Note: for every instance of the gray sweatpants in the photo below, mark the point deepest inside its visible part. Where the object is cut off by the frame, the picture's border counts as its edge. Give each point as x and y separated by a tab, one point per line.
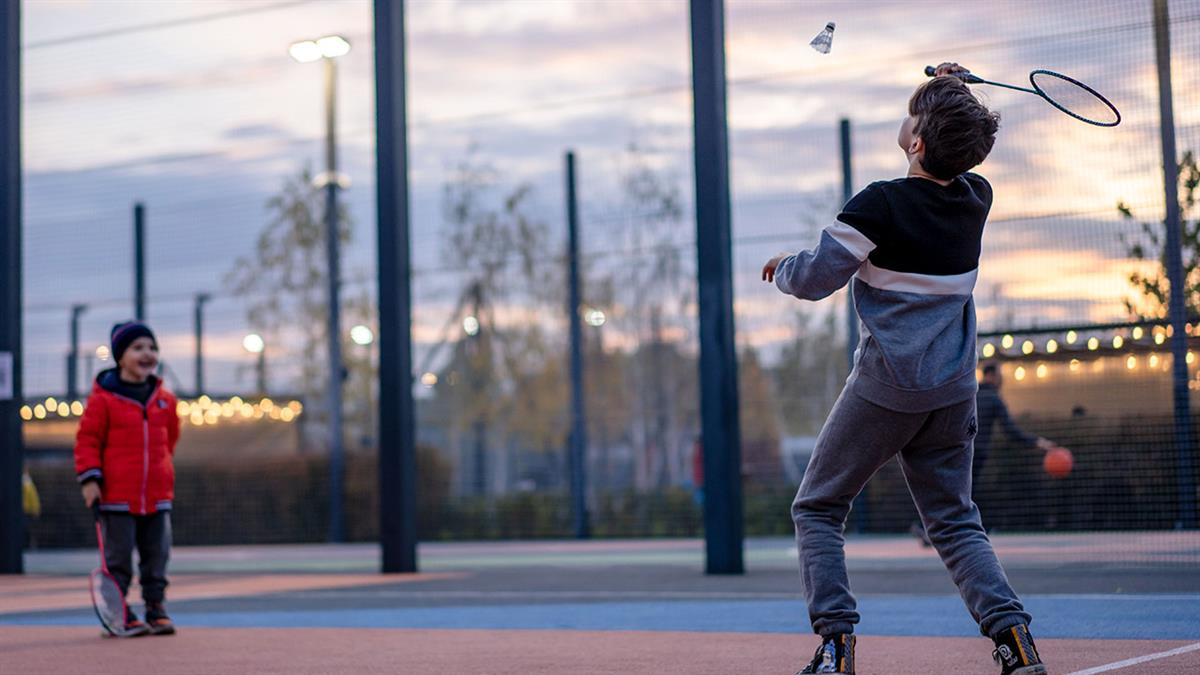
935	454
151	535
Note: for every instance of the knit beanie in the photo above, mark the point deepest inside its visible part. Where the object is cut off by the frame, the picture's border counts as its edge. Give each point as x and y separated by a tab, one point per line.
123	335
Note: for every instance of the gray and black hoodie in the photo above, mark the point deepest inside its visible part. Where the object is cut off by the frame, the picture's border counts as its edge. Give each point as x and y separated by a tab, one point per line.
912	248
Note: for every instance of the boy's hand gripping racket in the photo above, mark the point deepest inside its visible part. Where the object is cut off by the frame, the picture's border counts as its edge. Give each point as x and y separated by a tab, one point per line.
1065	93
107	598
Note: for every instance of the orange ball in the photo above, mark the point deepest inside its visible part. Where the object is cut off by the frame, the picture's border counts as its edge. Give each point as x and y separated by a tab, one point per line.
1058	462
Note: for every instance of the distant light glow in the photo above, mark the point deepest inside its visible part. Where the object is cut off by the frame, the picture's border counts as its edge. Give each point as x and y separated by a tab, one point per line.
305	52
333	46
1154	360
1131	362
595	317
26	413
1093	344
1019	373
1117	341
1160	338
254	343
1137	332
1071	337
1027	347
1006	341
64	410
989	350
1042	370
1051	347
39	411
76	408
103	353
1075	365
471	325
429	379
362	335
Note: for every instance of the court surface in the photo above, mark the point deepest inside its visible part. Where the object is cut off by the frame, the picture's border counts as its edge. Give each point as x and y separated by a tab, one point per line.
608	607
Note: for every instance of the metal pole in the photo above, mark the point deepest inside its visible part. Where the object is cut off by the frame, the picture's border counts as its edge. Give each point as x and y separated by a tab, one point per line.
332	258
1184	443
578	453
12	524
397	414
201	299
847	193
260	371
721	435
860	502
73	355
139	261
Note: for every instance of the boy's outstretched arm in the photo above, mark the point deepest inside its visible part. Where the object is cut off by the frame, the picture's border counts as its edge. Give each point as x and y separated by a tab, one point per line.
815	274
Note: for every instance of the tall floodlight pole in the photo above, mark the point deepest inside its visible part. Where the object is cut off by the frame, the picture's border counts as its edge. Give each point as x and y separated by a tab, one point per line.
11	450
1177	307
720	432
73	355
139	261
327	49
397	412
577	461
198	325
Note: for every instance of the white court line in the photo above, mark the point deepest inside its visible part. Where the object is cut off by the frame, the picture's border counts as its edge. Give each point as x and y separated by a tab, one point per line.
1140	659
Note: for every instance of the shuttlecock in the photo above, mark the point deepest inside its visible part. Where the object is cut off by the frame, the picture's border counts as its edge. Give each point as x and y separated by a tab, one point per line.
824	40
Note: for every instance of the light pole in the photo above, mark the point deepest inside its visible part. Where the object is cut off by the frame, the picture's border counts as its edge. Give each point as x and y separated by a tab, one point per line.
327	49
73	355
201	299
254	344
363	336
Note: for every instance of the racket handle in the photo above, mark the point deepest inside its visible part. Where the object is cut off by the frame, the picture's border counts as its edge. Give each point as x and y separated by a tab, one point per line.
965	76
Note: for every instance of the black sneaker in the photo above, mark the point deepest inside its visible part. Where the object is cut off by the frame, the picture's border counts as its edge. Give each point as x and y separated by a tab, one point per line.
1015	652
835	655
157	620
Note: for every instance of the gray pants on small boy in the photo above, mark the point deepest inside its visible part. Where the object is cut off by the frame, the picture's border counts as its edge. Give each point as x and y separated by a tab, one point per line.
935	450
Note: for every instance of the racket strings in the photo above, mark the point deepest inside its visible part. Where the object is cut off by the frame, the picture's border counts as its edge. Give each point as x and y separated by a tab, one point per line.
110	603
1075	98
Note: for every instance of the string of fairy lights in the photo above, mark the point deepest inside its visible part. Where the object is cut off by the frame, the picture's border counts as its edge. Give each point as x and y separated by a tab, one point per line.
1136	346
198	412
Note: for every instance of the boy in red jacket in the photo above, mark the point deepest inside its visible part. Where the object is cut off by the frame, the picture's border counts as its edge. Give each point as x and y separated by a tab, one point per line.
123	458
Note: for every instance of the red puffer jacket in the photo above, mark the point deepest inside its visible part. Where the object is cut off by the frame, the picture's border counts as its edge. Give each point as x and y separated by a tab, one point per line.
128	447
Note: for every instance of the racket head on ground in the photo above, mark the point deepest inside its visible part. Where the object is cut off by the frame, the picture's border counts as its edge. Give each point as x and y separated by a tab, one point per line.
1075	98
108	601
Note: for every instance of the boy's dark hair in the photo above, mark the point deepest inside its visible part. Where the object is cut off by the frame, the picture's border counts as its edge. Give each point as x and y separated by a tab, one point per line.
957	128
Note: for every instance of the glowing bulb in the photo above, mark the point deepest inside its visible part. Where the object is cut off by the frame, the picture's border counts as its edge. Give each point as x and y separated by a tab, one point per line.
1159	338
103	353
76	408
988	350
1042	370
305	52
1075	365
1137	332
286	414
471	325
333	46
1131	362
595	317
1118	341
824	40
1027	347
1051	347
204	401
1191	358
26	413
1093	344
51	403
39	411
1006	341
253	343
1154	360
362	335
63	409
1071	337
429	379
1019	373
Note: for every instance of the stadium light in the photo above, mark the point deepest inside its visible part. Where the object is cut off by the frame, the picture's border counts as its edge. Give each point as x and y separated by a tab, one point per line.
328	47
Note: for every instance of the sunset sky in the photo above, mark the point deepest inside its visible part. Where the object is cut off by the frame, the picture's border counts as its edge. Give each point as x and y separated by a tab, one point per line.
197	109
